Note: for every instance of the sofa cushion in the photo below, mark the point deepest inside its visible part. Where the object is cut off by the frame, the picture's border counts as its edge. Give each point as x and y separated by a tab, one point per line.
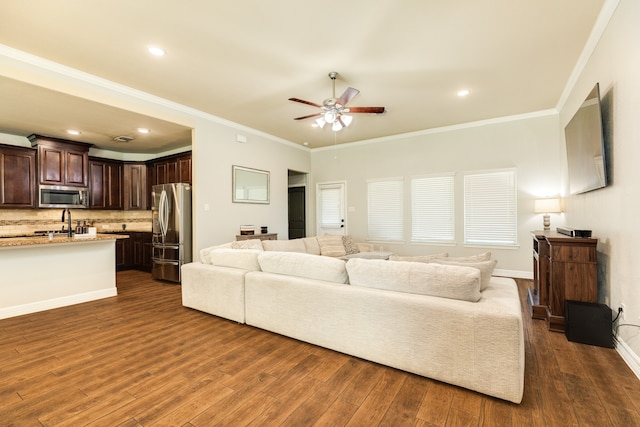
311	245
295	245
246	259
350	247
247	244
447	281
331	245
419	258
204	253
303	265
486	268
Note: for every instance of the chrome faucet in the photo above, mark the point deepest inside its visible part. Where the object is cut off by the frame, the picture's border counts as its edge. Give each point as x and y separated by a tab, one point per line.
69	233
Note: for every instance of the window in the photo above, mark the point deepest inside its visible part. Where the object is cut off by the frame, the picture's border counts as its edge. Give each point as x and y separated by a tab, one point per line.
330	199
432	209
490	208
385	209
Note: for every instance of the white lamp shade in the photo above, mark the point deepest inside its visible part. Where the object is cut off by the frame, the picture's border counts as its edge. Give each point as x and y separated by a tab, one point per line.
547	206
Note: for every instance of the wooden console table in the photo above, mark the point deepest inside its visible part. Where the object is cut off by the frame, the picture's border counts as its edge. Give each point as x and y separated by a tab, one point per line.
564	268
267	236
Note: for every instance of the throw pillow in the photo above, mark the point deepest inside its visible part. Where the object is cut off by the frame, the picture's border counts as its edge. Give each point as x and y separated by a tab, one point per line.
419	258
485	267
350	247
331	245
247	244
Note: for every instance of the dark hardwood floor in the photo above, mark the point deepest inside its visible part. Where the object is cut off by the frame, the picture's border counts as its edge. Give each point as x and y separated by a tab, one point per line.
142	359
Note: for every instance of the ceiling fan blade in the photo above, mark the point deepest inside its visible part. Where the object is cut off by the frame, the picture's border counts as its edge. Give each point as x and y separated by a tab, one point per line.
302	101
308	117
347	96
372	110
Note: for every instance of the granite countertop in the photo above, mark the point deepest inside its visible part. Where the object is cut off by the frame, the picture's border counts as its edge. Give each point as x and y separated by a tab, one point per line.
44	240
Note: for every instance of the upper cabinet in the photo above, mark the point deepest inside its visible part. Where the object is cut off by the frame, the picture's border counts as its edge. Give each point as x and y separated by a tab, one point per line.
171	169
135	186
61	162
17	177
105	184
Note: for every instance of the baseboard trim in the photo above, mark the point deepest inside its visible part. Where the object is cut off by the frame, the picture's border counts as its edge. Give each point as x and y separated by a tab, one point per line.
628	355
19	310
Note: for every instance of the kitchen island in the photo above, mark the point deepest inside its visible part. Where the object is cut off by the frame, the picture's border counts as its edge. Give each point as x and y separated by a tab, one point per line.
38	273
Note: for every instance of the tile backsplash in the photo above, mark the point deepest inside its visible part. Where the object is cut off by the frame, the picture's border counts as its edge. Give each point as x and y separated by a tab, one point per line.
21	222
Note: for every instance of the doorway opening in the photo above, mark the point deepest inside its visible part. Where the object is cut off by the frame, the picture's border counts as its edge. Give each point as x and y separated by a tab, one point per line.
297	204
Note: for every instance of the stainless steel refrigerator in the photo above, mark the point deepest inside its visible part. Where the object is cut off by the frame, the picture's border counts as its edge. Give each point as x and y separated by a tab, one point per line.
171	216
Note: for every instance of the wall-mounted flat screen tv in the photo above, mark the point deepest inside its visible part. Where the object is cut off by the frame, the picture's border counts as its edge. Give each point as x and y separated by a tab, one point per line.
586	154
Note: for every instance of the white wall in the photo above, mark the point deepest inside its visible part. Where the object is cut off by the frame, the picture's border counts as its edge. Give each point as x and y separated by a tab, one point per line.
528	143
612	213
215	151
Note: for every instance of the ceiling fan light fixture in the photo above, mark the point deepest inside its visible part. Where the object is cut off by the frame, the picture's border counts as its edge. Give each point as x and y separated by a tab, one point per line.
336	126
330	116
346	120
320	122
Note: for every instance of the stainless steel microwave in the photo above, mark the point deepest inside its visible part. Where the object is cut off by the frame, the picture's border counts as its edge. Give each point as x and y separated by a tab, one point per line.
59	196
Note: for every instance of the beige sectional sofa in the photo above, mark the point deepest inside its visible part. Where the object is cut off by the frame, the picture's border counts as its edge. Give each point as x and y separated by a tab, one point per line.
440	318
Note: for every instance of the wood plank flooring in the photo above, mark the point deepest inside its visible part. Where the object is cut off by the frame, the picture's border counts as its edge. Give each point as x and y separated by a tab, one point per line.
141	359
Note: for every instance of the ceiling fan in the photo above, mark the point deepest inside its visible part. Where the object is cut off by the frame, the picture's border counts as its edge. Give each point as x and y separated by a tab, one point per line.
333	109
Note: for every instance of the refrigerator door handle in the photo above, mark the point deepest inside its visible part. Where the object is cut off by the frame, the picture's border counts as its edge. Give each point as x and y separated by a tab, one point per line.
163	213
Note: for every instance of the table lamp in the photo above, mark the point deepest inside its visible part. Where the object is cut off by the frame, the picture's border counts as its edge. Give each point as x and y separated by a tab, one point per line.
547	206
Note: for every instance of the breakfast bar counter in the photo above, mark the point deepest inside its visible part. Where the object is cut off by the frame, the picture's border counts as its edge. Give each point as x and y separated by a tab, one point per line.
39	274
57	239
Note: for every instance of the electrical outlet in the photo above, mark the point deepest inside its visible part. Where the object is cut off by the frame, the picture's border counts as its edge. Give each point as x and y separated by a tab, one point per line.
622	307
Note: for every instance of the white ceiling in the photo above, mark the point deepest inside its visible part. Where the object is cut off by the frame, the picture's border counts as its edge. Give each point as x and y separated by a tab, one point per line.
242	60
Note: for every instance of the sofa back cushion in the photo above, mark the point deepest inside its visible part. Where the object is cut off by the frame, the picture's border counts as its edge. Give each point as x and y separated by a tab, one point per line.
311	245
246	259
303	265
446	281
486	268
295	245
247	244
419	258
204	253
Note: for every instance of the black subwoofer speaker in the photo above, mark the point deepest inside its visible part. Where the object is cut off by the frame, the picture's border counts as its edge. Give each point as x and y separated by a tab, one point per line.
588	323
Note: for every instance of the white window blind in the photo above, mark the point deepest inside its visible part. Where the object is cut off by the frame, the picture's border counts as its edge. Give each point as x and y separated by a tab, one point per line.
384	201
432	209
490	208
330	207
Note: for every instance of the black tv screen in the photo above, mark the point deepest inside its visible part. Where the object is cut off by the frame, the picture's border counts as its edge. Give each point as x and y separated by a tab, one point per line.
586	157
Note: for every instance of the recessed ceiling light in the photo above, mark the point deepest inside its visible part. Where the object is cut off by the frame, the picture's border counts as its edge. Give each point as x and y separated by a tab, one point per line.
306	144
463	92
73	132
154	50
143	130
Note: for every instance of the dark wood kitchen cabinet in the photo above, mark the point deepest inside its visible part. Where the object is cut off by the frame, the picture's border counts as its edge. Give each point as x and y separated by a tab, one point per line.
17	177
105	184
135	186
124	253
168	170
171	169
61	162
134	253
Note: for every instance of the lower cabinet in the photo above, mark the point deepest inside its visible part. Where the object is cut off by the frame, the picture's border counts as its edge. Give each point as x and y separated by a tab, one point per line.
134	253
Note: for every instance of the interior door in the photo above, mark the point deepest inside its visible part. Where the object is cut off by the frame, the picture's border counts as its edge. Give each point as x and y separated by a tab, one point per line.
331	218
297	213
